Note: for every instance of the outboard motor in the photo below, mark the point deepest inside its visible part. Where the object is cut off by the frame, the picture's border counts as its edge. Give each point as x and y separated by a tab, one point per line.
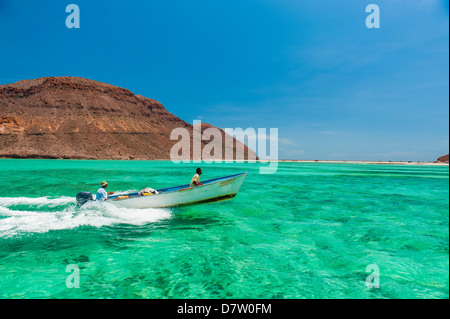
83	198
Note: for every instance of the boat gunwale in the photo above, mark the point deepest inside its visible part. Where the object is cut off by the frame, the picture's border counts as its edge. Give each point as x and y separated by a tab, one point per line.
173	189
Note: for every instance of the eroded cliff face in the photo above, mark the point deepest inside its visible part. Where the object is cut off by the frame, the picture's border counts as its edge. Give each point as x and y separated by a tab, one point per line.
77	118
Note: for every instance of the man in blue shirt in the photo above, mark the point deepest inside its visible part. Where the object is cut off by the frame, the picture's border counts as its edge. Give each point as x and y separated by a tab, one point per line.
101	193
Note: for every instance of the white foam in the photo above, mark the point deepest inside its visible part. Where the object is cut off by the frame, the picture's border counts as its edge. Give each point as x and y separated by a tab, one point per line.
95	214
39	201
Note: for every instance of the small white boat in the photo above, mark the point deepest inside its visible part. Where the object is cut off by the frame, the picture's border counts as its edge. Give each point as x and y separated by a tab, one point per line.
212	190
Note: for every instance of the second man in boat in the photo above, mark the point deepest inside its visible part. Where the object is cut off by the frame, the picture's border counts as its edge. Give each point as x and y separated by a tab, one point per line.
196	179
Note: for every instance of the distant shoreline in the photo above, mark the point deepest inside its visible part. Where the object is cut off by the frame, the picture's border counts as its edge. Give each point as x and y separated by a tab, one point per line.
227	161
368	162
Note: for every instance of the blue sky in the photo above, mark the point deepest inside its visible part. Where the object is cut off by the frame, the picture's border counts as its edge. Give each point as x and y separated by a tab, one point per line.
335	89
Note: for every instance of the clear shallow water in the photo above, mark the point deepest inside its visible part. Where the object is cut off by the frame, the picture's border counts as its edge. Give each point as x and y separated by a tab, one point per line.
309	231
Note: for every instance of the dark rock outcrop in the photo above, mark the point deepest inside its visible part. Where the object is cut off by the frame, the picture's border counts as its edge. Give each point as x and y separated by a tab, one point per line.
444	159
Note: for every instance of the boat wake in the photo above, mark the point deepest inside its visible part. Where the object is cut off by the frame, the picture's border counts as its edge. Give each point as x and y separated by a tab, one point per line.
37	202
19	215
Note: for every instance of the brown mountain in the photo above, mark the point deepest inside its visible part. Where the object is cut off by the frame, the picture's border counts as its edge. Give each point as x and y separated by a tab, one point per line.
443	159
77	118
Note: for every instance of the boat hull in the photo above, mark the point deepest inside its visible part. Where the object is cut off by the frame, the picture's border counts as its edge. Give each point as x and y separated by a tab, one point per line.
222	189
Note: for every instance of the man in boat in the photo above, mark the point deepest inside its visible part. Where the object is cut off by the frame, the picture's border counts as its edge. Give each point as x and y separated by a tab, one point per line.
196	179
102	195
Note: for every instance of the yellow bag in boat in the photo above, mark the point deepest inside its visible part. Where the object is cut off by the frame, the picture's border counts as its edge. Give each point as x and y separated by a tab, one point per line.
148	191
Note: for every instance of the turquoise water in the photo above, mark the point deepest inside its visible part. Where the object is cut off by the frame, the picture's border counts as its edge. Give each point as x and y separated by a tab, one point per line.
309	231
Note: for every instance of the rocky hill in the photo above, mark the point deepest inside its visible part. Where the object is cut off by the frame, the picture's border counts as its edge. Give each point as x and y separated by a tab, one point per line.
77	118
443	159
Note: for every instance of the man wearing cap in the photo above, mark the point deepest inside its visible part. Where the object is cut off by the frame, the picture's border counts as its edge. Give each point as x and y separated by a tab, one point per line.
101	193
